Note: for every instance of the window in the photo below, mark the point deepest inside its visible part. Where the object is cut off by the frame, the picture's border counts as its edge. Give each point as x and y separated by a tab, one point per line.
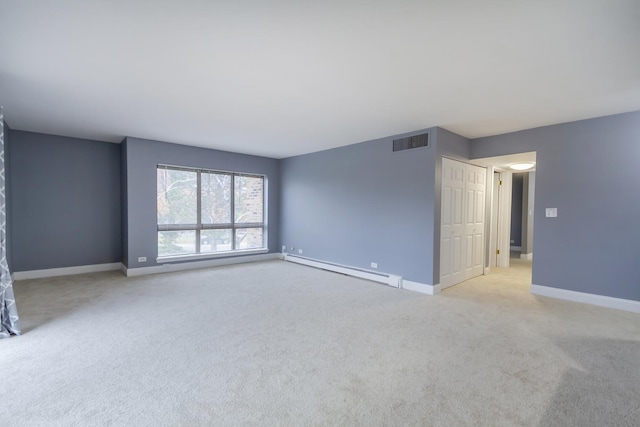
207	212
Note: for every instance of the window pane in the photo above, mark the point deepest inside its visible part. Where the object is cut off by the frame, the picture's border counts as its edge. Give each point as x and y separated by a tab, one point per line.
216	198
177	196
249	238
176	242
249	199
215	240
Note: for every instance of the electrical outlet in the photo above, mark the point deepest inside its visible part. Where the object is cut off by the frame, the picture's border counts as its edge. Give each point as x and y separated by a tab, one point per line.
374	265
299	251
284	249
142	259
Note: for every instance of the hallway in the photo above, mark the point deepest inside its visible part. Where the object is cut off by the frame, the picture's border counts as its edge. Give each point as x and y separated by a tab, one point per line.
514	281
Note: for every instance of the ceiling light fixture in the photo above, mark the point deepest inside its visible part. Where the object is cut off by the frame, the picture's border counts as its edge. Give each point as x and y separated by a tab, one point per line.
522	166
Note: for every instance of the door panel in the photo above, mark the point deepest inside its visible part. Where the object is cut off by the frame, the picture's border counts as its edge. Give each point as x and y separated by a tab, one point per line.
468	261
446	206
445	248
480	198
478	244
457	206
456	264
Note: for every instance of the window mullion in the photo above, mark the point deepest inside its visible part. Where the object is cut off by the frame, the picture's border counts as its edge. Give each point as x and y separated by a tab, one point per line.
177	227
216	226
233	212
250	225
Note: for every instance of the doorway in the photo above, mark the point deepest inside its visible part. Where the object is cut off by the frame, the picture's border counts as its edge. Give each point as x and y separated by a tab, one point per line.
502	193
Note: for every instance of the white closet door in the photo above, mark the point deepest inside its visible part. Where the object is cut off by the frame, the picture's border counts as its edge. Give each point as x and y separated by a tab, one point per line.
462	222
452	230
474	221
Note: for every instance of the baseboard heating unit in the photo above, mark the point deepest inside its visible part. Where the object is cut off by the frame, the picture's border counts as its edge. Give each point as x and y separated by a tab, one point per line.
388	279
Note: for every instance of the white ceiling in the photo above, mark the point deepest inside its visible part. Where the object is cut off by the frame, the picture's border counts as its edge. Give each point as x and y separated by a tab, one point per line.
284	77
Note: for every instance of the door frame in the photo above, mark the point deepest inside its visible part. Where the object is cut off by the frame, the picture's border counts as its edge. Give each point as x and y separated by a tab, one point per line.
500	237
493	213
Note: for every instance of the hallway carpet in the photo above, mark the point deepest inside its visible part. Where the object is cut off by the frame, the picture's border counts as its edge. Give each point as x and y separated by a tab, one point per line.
274	343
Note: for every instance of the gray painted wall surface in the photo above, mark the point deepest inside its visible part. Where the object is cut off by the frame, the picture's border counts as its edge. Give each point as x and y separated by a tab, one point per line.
516	209
142	159
363	203
589	171
528	206
351	205
65	206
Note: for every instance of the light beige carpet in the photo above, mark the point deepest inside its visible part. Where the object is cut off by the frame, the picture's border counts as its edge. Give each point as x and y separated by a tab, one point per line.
275	343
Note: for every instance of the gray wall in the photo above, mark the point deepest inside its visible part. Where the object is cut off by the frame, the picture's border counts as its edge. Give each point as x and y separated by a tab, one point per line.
589	171
363	203
65	202
528	206
516	209
142	158
350	205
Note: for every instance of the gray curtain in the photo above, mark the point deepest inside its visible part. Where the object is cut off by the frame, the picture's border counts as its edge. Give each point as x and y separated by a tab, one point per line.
9	322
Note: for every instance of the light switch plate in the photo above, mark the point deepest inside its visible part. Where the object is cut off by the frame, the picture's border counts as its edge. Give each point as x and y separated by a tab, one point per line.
551	212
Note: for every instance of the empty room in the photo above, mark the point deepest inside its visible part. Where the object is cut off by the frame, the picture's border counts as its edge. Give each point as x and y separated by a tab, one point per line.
411	213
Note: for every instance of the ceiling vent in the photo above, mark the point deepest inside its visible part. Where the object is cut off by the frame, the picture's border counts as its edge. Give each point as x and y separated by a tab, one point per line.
411	142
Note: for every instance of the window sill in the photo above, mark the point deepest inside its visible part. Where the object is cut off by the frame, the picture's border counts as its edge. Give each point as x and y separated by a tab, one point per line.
229	254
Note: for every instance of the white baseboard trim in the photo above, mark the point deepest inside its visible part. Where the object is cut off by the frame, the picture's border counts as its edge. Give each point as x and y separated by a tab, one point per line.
516	248
388	279
420	287
65	271
586	298
527	257
169	267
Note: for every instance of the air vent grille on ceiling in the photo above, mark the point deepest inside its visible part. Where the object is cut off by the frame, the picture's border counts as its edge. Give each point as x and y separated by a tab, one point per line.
411	142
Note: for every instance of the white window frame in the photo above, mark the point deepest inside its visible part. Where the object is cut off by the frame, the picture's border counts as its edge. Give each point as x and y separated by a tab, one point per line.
199	226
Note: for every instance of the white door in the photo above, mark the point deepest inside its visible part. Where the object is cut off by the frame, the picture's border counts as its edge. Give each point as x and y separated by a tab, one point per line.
462	222
452	229
474	221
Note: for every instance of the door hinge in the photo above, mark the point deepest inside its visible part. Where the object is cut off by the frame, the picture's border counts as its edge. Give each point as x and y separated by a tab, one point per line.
500	182
497	251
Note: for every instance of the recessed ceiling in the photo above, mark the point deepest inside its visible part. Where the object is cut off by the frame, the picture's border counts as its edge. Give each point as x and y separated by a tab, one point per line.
503	163
280	78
